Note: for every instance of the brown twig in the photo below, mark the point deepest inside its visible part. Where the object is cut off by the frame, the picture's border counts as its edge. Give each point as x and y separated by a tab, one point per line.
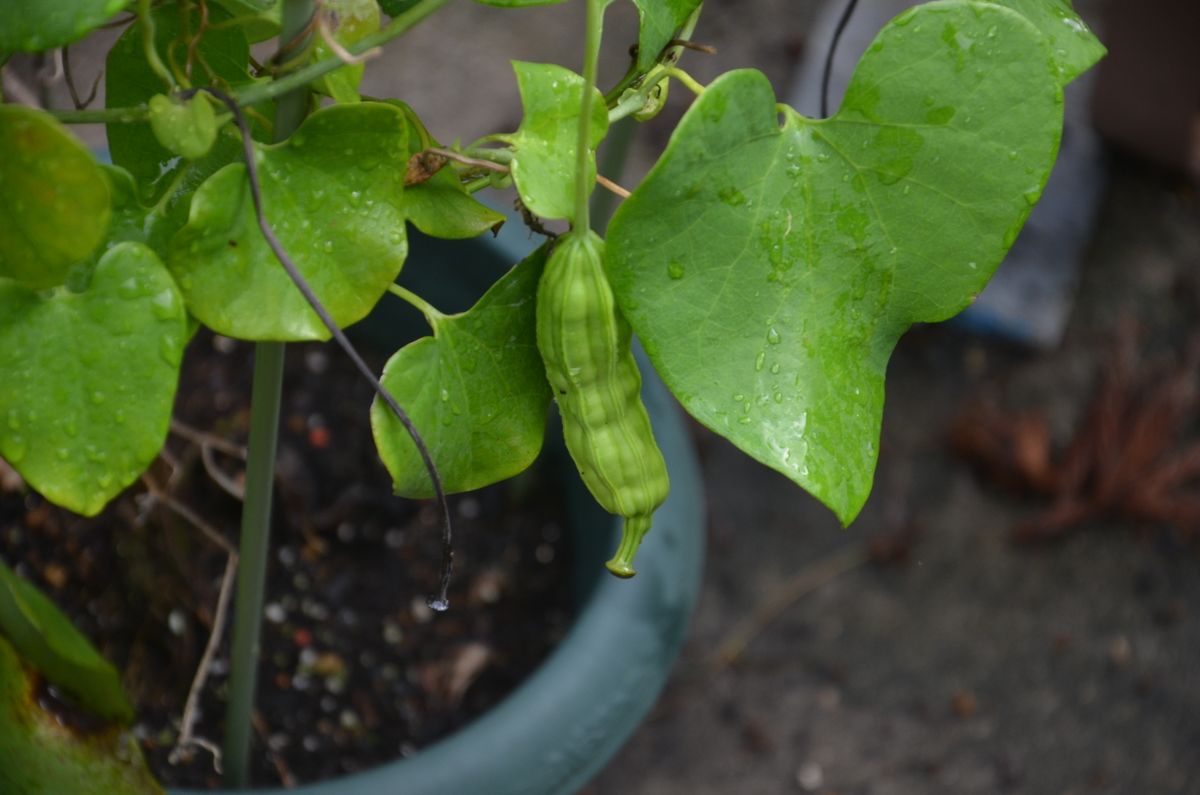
187	738
784	595
230	486
66	62
206	439
611	186
286	778
335	46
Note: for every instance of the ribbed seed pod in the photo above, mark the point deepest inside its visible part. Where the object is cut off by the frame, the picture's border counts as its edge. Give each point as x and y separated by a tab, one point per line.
585	345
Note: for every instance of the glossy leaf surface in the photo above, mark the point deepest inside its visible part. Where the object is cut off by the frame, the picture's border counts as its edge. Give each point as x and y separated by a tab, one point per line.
186	128
33	25
39	755
1073	46
48	641
476	390
769	270
89	378
54	199
544	147
333	193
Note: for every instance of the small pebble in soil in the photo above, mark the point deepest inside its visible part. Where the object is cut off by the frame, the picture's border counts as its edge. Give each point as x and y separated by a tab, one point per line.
810	776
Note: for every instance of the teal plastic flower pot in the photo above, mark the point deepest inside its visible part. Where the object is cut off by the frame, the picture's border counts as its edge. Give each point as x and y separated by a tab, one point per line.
560	726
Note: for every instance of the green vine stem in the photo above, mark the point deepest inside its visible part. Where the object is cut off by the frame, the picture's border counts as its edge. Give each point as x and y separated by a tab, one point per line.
591	59
146	23
424	307
254	94
260	481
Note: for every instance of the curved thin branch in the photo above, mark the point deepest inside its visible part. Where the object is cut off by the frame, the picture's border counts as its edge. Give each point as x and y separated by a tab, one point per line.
440	601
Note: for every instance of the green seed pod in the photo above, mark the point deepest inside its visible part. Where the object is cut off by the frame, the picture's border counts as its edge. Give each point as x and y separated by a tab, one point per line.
585	345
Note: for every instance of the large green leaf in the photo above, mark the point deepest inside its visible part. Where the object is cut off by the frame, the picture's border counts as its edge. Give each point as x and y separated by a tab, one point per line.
333	193
544	147
220	59
41	755
476	390
352	20
89	378
1072	45
659	21
770	269
54	199
33	25
44	637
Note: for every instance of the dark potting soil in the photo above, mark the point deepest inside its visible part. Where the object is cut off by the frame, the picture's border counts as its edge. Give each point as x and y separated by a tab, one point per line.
355	668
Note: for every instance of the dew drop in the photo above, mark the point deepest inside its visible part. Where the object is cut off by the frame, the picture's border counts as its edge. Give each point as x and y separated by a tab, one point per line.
772	336
759	360
675	270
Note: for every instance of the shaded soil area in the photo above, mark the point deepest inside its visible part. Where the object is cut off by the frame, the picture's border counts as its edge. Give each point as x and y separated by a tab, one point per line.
971	663
356	669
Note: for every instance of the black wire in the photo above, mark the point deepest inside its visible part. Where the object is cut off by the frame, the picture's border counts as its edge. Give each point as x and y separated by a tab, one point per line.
828	70
441	601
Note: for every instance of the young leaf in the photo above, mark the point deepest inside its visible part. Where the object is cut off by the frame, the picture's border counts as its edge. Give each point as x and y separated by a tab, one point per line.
353	19
54	205
476	390
186	128
34	25
89	378
39	754
659	20
1072	45
770	270
543	165
220	58
440	206
333	193
46	639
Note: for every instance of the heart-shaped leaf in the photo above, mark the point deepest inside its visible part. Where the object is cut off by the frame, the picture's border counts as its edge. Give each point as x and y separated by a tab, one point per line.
476	390
54	199
659	21
333	193
46	638
769	270
187	128
1072	45
220	57
40	753
544	147
34	25
89	378
352	20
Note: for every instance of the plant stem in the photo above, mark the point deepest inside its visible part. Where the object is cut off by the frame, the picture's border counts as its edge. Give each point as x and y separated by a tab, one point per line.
260	480
687	80
591	57
398	26
254	94
431	314
612	164
146	23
